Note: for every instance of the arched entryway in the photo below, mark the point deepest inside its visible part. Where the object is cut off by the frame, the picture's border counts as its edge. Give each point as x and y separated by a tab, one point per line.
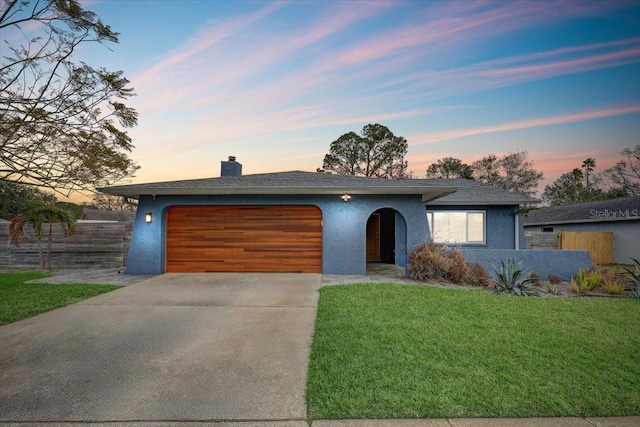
385	237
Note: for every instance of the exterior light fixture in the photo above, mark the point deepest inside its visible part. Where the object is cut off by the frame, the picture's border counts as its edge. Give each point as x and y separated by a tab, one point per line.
345	197
148	217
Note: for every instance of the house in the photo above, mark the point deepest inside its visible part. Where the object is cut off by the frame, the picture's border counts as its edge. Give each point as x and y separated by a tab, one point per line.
309	221
100	215
620	216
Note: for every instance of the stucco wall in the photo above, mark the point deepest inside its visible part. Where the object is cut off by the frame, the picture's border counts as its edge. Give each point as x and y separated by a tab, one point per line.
563	264
343	233
626	235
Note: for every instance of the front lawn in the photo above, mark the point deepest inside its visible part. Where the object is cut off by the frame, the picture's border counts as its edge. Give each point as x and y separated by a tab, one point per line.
394	351
19	300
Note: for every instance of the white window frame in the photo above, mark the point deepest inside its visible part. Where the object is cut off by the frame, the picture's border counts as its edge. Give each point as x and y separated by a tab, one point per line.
434	238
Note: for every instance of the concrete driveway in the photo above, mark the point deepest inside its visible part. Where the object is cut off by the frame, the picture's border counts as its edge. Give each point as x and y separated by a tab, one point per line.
188	347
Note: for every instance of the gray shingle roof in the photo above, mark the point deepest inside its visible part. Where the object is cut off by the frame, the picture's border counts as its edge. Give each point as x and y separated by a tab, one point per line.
89	214
622	209
472	192
299	182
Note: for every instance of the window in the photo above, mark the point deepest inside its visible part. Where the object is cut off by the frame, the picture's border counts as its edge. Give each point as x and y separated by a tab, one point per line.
547	229
457	226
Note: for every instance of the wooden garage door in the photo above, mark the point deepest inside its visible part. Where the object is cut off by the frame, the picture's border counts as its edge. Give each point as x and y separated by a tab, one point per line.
244	238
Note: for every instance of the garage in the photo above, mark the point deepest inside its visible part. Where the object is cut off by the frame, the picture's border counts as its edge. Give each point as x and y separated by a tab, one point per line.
244	239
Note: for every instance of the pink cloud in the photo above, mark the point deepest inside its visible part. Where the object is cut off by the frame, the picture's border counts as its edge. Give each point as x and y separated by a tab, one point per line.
208	87
525	124
517	69
213	34
570	66
462	23
562	51
208	84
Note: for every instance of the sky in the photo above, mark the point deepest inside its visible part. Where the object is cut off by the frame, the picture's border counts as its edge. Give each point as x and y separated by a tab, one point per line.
274	83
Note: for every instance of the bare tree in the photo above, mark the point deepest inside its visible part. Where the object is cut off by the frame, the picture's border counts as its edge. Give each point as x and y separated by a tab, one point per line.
626	173
108	202
511	172
61	122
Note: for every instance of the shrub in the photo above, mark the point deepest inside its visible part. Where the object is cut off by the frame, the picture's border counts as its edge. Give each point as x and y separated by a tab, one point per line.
478	276
613	288
554	280
634	275
610	275
613	280
427	261
535	279
458	267
430	261
513	279
586	280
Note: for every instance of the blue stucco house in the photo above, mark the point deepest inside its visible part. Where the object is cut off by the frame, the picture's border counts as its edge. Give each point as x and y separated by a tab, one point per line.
309	221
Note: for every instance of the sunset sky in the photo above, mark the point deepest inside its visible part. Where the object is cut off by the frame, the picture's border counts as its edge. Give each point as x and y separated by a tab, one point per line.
274	83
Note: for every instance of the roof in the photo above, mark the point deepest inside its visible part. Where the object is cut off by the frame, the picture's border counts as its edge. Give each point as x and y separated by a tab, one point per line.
476	193
299	182
622	209
104	215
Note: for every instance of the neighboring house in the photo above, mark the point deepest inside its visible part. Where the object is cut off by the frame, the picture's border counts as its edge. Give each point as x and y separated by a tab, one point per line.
99	215
310	222
619	216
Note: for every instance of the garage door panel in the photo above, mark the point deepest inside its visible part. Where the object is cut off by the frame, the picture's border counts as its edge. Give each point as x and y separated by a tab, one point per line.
244	238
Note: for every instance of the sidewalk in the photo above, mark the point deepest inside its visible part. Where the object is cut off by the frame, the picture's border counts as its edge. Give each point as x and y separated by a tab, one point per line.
455	422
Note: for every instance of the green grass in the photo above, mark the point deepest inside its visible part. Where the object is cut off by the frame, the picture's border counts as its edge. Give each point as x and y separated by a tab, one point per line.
19	300
393	351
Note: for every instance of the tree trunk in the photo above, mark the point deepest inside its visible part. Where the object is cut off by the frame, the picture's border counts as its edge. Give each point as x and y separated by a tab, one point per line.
49	246
40	256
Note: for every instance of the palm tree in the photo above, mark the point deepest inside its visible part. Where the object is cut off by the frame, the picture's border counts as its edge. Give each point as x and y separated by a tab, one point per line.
37	214
588	165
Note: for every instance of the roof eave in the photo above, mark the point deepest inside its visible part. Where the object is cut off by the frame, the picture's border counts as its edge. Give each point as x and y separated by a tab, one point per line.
578	221
429	193
481	202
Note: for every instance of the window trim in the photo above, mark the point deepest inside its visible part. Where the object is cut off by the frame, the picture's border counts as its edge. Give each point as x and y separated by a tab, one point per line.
430	219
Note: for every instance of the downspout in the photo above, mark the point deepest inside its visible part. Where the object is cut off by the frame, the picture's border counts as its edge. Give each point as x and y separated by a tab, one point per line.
516	222
516	227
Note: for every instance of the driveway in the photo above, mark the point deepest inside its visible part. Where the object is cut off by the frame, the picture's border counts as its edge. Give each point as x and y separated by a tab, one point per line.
189	347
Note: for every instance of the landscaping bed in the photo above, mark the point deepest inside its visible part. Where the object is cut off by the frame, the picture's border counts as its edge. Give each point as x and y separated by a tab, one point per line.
402	351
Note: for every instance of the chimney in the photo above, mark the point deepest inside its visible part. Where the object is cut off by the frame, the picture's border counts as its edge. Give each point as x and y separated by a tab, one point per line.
230	167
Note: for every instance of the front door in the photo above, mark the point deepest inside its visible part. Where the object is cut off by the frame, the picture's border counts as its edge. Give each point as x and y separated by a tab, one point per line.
373	237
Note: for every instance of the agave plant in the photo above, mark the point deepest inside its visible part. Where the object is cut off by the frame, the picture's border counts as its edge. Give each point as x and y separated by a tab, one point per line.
512	279
634	274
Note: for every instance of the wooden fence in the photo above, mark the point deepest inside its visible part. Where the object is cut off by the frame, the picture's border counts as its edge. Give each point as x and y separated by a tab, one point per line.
94	245
598	243
540	241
